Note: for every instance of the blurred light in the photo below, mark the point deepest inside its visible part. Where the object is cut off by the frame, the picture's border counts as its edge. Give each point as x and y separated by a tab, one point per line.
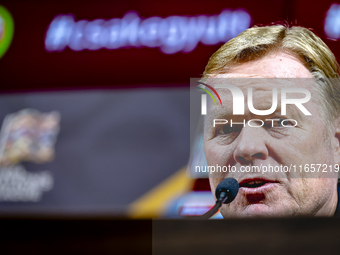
332	22
172	34
2	28
6	30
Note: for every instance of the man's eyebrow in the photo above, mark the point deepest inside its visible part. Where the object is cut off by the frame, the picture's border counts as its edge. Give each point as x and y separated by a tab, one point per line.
219	112
291	109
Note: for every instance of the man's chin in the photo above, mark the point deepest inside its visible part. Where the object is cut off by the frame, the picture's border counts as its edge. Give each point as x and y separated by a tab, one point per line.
259	210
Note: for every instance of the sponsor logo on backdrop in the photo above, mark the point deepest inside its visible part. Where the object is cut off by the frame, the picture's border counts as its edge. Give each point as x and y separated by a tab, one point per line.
171	35
26	136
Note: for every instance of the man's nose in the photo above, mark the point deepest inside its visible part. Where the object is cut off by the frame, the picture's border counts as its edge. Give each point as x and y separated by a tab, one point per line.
251	145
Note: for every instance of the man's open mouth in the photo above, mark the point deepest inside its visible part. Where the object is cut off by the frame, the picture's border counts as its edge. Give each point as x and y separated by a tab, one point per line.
255	183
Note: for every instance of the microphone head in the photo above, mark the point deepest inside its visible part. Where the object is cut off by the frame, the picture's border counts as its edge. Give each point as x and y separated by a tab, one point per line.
230	187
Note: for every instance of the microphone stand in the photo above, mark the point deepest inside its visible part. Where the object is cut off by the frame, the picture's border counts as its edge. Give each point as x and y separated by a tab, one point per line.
219	202
225	193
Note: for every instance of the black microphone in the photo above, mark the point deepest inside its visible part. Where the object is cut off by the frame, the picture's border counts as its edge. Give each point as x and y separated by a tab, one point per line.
227	190
225	193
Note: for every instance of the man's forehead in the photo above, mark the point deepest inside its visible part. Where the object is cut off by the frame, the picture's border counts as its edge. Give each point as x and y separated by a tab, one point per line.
263	93
274	65
264	85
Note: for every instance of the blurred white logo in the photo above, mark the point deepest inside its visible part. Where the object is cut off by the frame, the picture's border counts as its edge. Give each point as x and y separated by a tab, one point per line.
332	22
19	185
171	34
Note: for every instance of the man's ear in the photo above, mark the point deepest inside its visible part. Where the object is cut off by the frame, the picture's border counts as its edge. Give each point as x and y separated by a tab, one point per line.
337	142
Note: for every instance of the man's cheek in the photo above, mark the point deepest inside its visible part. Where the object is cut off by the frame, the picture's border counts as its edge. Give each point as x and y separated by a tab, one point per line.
212	155
216	154
214	181
236	207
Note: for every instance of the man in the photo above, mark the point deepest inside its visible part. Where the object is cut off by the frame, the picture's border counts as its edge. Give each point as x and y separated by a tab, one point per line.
296	58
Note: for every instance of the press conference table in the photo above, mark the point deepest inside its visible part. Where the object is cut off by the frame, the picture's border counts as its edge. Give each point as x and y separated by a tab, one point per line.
107	235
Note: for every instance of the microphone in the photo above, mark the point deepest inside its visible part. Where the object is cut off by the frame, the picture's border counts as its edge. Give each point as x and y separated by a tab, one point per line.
225	193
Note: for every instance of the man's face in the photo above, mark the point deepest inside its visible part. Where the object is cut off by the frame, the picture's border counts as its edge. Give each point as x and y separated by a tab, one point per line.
276	193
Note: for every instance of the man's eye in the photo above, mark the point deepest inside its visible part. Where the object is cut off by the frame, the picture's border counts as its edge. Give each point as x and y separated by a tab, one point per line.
227	129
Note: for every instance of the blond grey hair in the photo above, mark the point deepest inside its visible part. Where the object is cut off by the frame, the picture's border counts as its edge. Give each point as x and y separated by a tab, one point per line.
257	42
